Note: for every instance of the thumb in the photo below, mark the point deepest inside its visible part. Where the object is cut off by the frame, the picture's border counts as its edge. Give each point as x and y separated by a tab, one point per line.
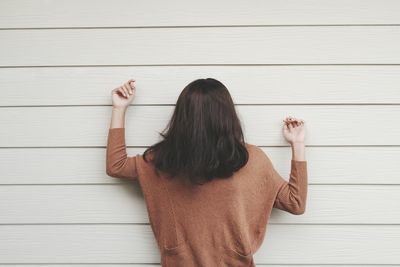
285	127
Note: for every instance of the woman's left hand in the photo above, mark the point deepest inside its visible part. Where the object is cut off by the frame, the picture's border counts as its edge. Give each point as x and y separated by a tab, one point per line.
123	95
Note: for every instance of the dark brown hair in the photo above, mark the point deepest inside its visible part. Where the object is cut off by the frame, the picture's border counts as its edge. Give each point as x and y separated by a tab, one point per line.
203	139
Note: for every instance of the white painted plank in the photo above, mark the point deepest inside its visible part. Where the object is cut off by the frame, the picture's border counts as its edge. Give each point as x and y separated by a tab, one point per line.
346	165
158	265
216	45
334	244
162	84
126	13
88	126
326	204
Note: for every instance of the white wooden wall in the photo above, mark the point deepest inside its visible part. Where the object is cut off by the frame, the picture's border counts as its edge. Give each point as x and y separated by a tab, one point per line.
333	63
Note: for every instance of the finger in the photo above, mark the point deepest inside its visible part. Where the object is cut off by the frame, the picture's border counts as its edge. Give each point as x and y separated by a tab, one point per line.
131	83
129	86
285	128
297	122
127	89
290	126
132	86
286	121
122	91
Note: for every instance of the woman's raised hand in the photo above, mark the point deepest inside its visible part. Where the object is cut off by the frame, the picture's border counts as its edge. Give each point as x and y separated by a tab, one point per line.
294	130
123	95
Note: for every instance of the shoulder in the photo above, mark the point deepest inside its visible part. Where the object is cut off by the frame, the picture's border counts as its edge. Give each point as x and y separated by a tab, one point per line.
254	148
258	153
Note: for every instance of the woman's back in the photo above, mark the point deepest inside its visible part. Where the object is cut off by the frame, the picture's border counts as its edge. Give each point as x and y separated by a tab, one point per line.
220	223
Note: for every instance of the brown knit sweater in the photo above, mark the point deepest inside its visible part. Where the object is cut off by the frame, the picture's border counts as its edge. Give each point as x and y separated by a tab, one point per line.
221	223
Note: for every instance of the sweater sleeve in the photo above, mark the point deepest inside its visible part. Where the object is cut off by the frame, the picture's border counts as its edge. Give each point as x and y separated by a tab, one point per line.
118	163
292	194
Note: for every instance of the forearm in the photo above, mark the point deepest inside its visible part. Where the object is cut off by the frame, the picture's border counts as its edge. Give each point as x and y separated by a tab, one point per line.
298	151
292	194
118	163
118	118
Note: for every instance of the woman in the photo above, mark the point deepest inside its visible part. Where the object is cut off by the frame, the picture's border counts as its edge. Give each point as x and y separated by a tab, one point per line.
208	193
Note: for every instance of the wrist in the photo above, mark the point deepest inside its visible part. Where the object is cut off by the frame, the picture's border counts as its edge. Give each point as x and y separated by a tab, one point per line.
294	143
119	109
298	151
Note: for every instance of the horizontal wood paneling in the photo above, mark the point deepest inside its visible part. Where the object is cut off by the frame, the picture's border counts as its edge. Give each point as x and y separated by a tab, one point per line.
215	45
326	165
88	126
125	13
124	203
162	84
334	244
328	62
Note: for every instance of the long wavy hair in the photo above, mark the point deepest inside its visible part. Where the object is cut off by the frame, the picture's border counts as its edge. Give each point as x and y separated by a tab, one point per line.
203	139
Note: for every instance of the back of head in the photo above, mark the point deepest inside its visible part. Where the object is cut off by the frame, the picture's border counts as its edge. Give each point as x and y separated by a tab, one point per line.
203	139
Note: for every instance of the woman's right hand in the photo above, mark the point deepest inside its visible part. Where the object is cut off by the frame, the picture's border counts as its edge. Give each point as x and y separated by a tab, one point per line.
294	130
